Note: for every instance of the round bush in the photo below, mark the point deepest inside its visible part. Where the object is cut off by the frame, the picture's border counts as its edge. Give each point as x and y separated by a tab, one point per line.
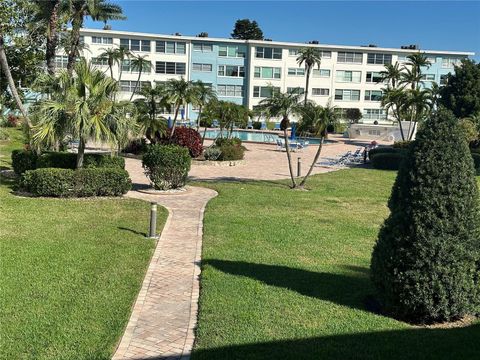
476	162
166	166
189	138
212	153
231	152
23	160
425	264
387	161
230	141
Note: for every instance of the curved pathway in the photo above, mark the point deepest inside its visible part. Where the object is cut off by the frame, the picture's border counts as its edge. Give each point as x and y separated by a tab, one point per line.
165	312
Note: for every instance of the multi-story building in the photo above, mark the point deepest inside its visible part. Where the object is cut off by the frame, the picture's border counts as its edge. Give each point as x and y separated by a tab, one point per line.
244	71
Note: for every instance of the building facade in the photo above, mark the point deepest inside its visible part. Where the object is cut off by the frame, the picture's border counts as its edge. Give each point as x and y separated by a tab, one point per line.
244	71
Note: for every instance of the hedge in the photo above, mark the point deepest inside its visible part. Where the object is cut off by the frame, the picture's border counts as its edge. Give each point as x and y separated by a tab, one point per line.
384	150
55	182
387	161
476	161
23	160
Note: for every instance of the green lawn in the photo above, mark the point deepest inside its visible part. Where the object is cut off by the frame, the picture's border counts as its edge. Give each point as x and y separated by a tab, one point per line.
286	273
70	272
15	141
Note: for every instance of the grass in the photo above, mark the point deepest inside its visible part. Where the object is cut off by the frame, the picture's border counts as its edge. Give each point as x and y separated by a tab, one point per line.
70	272
15	141
286	274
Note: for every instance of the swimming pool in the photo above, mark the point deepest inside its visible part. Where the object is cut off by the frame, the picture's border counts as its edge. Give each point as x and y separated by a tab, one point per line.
254	136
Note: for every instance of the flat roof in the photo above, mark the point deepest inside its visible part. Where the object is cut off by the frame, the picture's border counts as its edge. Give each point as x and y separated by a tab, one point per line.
272	43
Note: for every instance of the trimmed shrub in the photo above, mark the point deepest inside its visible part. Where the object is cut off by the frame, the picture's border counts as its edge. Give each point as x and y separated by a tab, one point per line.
56	182
231	152
186	137
404	144
166	166
387	161
476	162
23	160
212	153
257	125
425	264
66	160
382	150
234	141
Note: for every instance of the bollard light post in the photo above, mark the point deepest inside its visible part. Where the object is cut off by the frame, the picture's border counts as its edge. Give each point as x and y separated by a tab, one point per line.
299	166
153	220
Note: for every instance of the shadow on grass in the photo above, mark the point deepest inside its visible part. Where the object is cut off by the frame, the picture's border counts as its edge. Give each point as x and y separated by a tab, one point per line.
144	234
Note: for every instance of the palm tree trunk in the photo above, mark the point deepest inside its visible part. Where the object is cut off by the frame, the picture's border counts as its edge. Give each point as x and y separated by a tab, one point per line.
204	134
307	83
11	83
177	109
317	155
72	55
111	70
289	158
199	117
136	85
80	153
52	38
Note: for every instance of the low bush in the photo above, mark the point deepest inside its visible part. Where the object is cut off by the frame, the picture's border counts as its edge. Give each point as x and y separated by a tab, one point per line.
136	146
383	150
387	161
476	161
231	152
10	121
23	160
212	153
257	125
166	166
404	144
234	141
56	182
188	138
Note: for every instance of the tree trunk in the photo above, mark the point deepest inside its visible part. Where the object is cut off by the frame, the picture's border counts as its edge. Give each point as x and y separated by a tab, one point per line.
307	83
52	38
80	153
204	134
111	70
174	121
11	83
289	158
72	55
199	117
317	155
136	85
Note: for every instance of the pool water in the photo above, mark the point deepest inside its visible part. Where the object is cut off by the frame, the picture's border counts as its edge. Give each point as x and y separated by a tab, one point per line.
254	136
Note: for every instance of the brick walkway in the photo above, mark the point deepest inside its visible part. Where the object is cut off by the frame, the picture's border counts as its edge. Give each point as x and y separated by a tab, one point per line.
165	313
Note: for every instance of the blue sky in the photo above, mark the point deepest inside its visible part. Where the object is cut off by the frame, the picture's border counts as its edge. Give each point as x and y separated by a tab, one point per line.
437	25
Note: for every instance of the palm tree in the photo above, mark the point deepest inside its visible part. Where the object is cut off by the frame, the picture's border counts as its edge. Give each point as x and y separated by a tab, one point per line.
394	100
410	77
413	69
319	118
148	109
418	107
283	105
82	107
110	54
78	10
310	57
180	93
391	74
139	63
11	83
203	93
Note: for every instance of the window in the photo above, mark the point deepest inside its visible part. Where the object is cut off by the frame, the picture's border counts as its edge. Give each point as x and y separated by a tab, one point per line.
231	70
450	62
349	76
135	45
431	59
296	90
326	54
267	72
230	51
349	57
320	92
373	95
296	72
102	40
162	67
100	61
230	90
127	67
268	53
202	47
129	86
402	58
380	59
428	77
347	95
321	73
202	67
374	77
170	47
374	114
61	62
264	91
292	52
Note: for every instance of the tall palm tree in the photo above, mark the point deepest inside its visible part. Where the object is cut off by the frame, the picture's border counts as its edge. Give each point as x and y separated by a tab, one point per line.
11	83
319	118
203	93
148	109
181	93
78	10
110	54
394	100
83	107
391	74
139	63
410	77
283	105
310	57
49	13
418	107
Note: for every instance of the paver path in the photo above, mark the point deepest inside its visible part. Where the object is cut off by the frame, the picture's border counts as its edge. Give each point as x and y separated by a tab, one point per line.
165	313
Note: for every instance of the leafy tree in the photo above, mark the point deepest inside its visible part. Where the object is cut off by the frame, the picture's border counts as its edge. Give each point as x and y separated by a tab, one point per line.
203	93
353	115
425	264
148	109
391	75
310	57
245	29
180	93
81	106
139	63
461	94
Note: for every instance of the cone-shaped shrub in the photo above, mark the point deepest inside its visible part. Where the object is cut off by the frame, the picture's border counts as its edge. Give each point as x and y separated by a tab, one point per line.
425	264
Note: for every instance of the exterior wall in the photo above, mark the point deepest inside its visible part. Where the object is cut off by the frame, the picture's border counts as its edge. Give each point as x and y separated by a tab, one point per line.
250	61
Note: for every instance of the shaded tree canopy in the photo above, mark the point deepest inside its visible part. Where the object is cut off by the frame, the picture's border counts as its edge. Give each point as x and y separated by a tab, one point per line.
245	29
